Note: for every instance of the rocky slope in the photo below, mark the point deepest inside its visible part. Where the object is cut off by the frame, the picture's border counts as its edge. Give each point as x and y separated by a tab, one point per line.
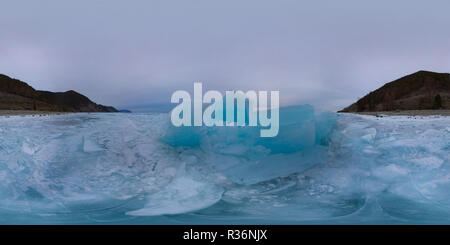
422	90
18	95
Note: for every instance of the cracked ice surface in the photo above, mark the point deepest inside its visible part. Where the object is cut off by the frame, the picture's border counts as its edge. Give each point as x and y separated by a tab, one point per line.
136	168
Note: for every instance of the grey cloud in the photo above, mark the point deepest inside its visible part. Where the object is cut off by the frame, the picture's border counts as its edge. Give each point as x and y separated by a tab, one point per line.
125	53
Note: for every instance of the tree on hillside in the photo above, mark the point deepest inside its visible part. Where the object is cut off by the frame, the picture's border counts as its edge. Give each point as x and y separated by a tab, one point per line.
437	102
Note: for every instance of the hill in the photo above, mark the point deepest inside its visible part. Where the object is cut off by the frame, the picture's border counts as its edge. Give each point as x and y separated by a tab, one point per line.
423	90
18	95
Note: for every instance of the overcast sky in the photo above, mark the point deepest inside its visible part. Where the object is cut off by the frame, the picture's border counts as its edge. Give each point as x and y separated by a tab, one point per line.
126	53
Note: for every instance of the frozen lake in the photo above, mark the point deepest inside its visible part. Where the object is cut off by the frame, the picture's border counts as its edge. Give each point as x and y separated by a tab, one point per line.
322	168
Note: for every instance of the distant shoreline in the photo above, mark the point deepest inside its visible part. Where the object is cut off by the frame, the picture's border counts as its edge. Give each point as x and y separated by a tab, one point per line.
405	113
29	113
371	113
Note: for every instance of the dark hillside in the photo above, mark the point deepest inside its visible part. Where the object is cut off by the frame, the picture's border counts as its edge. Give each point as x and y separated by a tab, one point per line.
422	90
